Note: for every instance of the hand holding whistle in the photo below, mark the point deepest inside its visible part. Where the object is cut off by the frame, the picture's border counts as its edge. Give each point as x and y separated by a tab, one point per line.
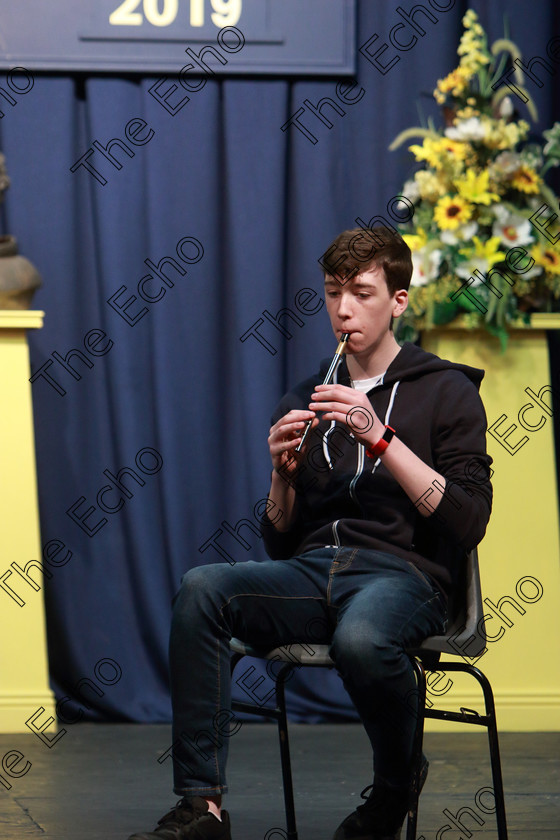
326	381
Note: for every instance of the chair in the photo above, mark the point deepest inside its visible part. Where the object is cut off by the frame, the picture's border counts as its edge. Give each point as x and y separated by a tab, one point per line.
465	633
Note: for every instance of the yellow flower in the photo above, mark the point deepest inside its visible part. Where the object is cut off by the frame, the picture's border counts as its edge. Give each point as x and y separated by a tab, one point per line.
430	186
438	153
452	211
471	24
455	83
473	51
467	112
474	188
422	152
485	250
526	179
546	257
416	241
472	46
474	58
504	135
456	148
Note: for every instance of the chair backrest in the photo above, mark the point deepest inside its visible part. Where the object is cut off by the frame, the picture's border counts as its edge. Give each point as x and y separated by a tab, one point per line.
465	635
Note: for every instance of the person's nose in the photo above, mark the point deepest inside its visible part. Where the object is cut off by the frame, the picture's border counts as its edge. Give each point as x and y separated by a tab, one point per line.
344	311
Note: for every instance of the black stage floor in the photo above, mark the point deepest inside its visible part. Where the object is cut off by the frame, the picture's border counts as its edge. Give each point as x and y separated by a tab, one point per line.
103	782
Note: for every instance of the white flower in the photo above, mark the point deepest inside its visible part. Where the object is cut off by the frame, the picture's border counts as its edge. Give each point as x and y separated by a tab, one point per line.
471	129
506	164
425	266
512	229
411	191
506	107
467	269
463	234
501	212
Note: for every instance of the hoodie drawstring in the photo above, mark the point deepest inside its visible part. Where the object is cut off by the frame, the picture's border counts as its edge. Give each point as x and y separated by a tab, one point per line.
326	452
387	416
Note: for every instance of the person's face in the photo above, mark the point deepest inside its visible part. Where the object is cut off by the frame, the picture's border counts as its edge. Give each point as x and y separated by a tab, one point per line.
363	307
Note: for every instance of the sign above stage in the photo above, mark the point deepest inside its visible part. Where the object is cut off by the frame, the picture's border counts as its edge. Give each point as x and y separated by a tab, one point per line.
281	37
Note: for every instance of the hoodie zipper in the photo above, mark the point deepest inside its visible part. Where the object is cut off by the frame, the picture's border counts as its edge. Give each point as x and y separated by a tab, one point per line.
362	449
361	457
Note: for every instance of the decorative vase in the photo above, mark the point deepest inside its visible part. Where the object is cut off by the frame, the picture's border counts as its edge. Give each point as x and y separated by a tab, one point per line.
19	279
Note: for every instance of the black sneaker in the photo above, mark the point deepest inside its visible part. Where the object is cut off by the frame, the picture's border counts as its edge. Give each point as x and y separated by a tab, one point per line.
189	820
382	815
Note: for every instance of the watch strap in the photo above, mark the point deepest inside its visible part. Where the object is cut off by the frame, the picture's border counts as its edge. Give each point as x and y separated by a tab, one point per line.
377	449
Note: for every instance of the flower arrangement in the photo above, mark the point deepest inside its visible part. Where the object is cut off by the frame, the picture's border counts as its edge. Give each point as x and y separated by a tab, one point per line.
480	183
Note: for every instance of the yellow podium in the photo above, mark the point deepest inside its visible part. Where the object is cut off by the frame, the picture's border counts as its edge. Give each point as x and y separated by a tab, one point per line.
520	554
23	660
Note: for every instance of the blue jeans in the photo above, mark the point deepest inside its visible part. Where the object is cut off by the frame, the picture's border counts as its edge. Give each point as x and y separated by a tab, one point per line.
368	605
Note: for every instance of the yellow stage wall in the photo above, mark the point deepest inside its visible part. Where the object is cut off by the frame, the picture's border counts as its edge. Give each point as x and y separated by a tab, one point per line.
23	651
522	540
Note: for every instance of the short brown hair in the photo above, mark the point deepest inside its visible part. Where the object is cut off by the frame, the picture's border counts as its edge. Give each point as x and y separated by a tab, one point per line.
360	249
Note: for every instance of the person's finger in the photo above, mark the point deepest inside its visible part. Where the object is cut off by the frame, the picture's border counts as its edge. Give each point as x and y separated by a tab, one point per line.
293	416
341	391
328	406
347	398
288	431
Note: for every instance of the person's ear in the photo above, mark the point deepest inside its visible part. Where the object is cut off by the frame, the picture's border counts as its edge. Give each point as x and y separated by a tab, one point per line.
400	302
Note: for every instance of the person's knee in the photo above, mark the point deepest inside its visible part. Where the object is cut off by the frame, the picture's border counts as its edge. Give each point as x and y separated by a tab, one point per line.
366	658
198	577
197	585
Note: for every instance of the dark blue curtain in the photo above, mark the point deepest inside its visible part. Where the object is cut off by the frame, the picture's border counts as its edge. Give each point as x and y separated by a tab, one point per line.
180	389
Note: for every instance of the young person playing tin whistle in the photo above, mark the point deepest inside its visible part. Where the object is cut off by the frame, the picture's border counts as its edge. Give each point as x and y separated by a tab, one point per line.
373	532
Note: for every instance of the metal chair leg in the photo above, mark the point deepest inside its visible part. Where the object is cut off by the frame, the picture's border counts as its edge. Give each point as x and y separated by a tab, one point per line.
278	714
489	721
285	753
417	751
497	780
494	747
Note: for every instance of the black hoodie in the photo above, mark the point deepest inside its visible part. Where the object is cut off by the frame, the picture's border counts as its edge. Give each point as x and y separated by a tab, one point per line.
345	498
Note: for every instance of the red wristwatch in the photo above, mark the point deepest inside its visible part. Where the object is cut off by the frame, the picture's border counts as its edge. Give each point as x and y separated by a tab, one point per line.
377	449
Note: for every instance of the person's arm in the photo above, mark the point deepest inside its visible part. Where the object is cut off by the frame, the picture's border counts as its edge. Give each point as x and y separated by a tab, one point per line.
456	498
413	474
